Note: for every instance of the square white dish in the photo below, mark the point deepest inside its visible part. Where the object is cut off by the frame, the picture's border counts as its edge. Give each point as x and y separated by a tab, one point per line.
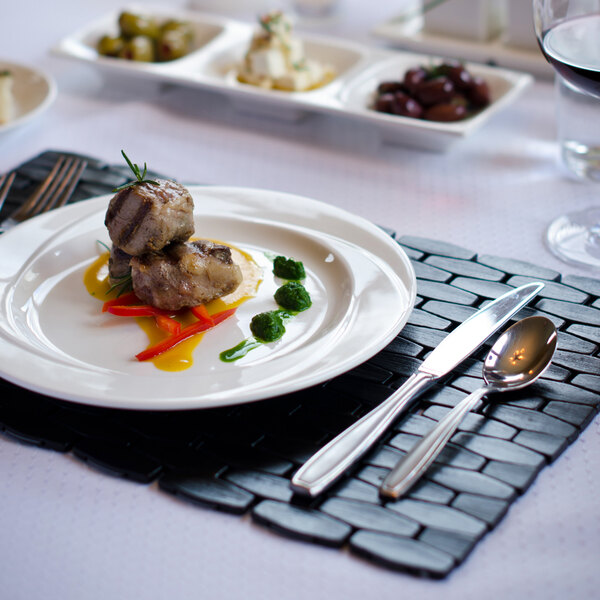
221	44
359	94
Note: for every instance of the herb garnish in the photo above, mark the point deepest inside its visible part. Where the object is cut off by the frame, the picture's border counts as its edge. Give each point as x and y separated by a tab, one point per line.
136	171
122	285
268	21
300	65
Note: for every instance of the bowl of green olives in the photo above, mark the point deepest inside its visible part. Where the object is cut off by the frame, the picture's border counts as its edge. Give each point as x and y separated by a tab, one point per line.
145	38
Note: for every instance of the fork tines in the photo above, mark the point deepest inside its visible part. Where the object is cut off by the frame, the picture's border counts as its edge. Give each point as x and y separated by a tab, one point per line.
6	181
55	190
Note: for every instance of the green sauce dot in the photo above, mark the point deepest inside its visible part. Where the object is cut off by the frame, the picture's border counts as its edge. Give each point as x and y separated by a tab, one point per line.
293	296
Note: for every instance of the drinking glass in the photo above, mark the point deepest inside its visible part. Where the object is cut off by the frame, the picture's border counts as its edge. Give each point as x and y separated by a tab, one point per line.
568	33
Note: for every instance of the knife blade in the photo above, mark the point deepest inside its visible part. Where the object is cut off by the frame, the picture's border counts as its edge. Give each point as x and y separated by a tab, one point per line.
334	459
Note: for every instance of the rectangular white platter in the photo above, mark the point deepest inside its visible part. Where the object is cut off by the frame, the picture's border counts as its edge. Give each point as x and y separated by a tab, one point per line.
220	44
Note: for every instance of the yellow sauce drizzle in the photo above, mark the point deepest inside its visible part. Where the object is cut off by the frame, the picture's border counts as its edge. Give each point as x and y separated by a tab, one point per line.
327	78
180	357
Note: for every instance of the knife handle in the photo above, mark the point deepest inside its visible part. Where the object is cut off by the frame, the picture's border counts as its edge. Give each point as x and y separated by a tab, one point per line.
334	459
411	467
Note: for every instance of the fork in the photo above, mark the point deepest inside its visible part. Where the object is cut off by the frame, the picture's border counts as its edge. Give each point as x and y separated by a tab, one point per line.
53	192
6	181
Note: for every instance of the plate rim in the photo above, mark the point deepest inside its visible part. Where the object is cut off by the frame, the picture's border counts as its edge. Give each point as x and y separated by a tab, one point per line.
46	102
377	237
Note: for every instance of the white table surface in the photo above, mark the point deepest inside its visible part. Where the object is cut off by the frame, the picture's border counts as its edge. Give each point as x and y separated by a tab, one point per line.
69	532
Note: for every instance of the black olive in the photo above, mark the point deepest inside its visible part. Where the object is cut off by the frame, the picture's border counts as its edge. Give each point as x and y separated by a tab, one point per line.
479	93
435	91
406	106
389	87
445	112
385	103
460	77
412	79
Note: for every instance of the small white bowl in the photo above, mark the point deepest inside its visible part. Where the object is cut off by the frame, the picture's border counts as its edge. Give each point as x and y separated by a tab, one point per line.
33	92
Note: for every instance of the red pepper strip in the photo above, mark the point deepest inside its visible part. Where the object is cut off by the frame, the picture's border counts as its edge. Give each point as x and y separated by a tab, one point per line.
186	332
138	310
201	313
123	300
168	324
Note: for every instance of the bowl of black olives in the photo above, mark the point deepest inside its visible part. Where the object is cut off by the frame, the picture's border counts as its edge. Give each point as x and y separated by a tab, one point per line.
446	92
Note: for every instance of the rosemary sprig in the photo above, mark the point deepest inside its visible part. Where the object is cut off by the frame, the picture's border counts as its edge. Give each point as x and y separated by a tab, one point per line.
105	246
140	177
122	285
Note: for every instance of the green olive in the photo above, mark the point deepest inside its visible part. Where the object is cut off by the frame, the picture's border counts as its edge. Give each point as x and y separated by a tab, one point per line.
110	46
171	45
182	26
139	48
132	25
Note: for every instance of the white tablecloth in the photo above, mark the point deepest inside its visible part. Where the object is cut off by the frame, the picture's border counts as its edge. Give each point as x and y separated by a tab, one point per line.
70	532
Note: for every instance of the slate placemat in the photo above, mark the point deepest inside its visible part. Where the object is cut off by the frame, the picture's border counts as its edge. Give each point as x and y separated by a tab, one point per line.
240	458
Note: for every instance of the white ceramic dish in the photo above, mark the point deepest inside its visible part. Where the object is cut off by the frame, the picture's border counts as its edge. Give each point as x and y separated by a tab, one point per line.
221	46
410	38
55	340
33	91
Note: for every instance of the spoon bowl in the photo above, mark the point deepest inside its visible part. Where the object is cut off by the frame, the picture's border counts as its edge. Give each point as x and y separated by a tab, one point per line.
519	356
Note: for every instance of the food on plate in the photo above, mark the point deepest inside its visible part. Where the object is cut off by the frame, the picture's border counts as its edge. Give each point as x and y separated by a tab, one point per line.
148	215
288	268
445	92
7	101
119	268
266	327
176	287
276	59
146	39
293	296
149	223
184	274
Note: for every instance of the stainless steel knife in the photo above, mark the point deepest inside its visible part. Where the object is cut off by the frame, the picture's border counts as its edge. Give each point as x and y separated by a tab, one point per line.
334	459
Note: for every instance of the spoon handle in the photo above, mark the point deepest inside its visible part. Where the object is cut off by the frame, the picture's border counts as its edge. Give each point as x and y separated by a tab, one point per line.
334	459
411	466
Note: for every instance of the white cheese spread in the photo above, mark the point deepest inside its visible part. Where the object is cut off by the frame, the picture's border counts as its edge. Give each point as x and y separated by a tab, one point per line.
276	59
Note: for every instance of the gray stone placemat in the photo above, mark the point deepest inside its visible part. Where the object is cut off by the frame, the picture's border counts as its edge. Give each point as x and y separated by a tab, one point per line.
240	458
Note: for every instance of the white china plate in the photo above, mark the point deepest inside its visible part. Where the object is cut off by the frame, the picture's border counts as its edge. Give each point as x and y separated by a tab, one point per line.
33	91
220	47
55	340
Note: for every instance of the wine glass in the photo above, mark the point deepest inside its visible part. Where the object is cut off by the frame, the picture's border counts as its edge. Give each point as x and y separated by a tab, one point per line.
568	32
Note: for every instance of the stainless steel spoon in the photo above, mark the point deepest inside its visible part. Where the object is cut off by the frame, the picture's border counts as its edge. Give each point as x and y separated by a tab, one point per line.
519	356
